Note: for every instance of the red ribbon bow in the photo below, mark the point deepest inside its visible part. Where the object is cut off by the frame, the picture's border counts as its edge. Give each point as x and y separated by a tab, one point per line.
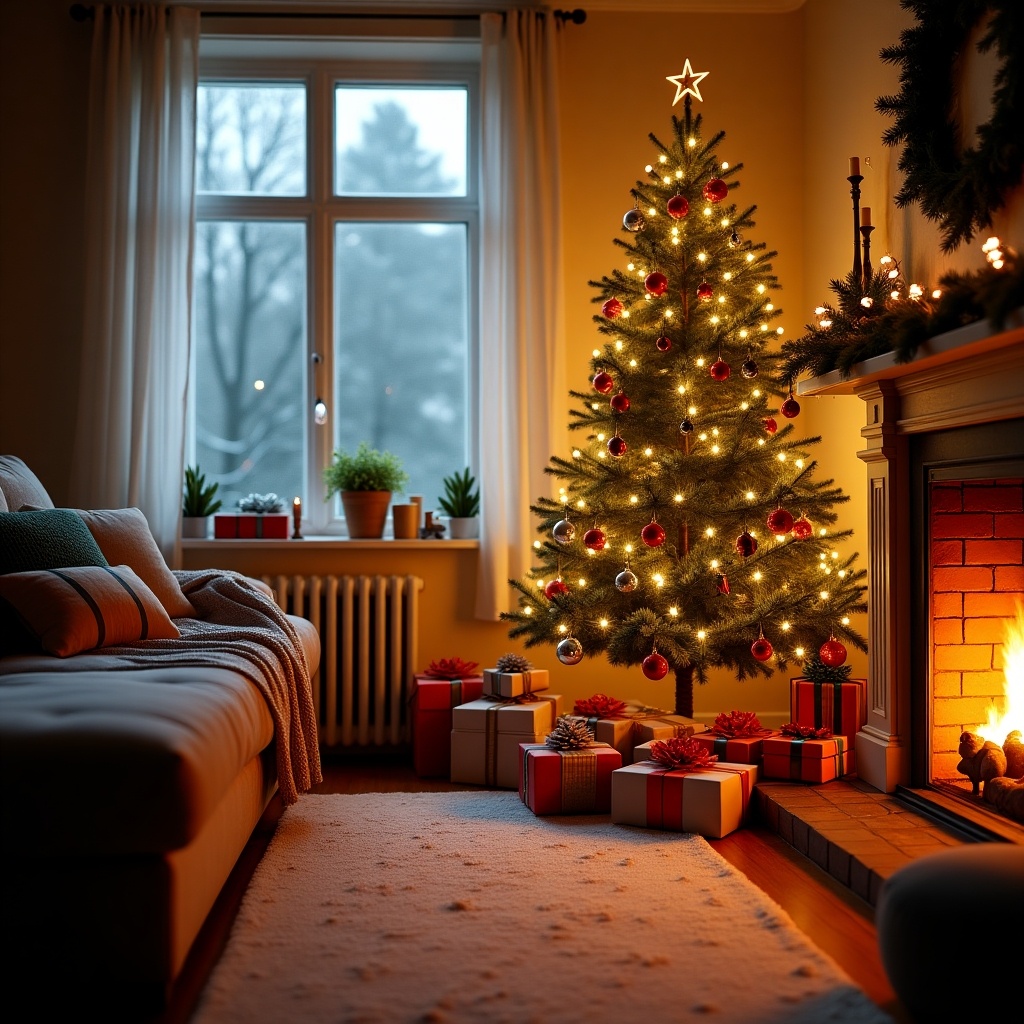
682	753
806	732
600	706
450	668
738	725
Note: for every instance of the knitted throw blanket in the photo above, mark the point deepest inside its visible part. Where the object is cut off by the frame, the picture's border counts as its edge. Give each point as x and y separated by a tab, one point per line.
238	627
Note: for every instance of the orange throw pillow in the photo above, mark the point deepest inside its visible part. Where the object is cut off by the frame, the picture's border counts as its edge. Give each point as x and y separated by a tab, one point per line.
85	607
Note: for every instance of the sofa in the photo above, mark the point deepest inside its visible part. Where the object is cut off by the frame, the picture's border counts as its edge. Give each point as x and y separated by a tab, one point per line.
134	771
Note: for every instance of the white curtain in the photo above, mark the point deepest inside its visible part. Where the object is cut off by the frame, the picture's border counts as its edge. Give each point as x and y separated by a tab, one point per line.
521	366
129	445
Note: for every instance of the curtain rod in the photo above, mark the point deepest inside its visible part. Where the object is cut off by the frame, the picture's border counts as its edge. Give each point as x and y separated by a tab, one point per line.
577	16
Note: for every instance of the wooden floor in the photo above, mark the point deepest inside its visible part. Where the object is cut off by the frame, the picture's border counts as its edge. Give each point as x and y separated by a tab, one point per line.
838	922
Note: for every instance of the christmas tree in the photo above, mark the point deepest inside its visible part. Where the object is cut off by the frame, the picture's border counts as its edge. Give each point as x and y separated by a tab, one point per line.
689	532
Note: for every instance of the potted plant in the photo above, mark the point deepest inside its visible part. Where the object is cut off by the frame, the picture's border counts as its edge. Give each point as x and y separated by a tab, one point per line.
365	481
461	503
198	503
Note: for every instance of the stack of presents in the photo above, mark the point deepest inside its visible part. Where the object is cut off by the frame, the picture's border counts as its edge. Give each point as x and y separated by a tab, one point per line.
642	765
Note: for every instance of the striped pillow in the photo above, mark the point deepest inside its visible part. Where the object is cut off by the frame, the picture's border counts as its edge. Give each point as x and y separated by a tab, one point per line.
85	607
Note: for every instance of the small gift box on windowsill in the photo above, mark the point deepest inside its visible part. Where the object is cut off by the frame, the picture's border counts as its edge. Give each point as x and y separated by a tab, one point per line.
250	525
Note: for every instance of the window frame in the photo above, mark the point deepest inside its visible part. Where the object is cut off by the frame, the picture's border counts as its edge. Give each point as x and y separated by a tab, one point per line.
321	210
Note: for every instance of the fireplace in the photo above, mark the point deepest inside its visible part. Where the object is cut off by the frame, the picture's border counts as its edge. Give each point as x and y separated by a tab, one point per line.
967	661
944	455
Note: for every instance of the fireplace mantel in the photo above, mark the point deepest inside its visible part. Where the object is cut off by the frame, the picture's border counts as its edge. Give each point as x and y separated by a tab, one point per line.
969	376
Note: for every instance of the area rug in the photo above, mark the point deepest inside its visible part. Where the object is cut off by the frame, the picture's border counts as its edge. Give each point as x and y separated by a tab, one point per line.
380	908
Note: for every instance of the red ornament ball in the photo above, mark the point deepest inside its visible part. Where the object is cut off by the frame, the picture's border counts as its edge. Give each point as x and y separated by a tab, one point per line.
780	521
653	535
769	424
664	343
715	190
655	666
832	653
720	369
617	446
603	382
656	284
620	402
761	649
678	207
745	544
556	588
595	539
612	308
802	528
790	408
704	291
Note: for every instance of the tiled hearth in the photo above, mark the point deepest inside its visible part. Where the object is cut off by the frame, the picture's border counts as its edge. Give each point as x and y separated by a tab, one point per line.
852	831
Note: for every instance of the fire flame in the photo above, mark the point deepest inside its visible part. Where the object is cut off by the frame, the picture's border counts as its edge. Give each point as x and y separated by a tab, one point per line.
1001	723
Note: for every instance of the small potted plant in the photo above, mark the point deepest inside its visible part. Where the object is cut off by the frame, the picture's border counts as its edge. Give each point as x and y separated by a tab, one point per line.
198	503
365	480
461	503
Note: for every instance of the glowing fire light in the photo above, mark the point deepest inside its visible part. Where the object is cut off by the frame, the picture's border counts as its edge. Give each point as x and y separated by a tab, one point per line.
1012	716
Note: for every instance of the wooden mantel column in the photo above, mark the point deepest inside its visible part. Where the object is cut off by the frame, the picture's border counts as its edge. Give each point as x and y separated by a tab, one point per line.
883	744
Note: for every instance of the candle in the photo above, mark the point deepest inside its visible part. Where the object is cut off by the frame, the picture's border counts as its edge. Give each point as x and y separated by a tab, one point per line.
854	165
865	217
296	514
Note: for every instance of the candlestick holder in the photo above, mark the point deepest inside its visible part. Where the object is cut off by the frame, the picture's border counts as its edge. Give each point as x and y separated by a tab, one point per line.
855	180
297	521
865	231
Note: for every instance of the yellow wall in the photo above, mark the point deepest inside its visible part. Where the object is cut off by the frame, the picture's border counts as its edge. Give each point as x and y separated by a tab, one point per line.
793	91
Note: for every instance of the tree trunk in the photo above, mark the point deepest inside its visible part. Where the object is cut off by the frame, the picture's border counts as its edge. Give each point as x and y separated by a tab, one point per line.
684	691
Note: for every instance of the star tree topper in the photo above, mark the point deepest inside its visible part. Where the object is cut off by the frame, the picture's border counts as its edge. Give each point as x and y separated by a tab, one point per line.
687	82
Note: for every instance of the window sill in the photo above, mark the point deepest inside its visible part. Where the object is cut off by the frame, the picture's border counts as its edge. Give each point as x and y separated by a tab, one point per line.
325	544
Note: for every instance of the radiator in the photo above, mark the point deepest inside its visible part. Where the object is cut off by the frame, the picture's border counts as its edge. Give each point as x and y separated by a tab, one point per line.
369	628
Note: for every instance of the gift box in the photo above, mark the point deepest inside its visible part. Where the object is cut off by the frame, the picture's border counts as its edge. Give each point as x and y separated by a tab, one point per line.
737	749
567	781
515	684
806	760
636	724
711	801
841	707
251	525
432	701
486	734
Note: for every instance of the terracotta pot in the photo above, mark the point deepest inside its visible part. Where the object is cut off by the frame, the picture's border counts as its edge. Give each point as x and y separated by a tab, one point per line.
365	512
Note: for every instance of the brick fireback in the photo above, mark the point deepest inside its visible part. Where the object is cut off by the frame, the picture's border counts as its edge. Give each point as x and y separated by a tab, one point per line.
976	540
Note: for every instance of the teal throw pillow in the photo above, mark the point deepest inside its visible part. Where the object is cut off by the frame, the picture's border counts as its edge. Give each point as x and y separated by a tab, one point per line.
53	538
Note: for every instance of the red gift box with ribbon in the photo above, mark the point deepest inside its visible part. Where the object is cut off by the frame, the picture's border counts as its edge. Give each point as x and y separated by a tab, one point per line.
567	781
251	525
841	707
806	758
431	701
736	736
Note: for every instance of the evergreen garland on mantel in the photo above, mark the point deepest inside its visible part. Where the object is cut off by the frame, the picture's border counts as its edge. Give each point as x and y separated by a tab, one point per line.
960	188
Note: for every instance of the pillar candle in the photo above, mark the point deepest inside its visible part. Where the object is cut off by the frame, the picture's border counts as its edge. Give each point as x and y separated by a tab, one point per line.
297	513
865	217
854	165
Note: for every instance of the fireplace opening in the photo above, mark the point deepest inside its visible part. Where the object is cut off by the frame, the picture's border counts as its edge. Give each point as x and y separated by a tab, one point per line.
967	692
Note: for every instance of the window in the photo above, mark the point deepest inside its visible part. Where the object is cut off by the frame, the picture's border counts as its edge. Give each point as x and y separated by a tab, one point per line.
335	262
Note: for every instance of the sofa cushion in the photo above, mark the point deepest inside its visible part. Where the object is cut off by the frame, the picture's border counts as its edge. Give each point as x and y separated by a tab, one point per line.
122	762
79	608
124	537
20	486
54	538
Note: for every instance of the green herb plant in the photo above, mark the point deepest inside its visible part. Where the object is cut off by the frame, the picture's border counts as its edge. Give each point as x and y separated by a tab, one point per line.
460	500
198	497
365	470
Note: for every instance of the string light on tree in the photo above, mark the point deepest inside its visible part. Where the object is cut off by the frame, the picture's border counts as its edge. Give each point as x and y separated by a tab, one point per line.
689	584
